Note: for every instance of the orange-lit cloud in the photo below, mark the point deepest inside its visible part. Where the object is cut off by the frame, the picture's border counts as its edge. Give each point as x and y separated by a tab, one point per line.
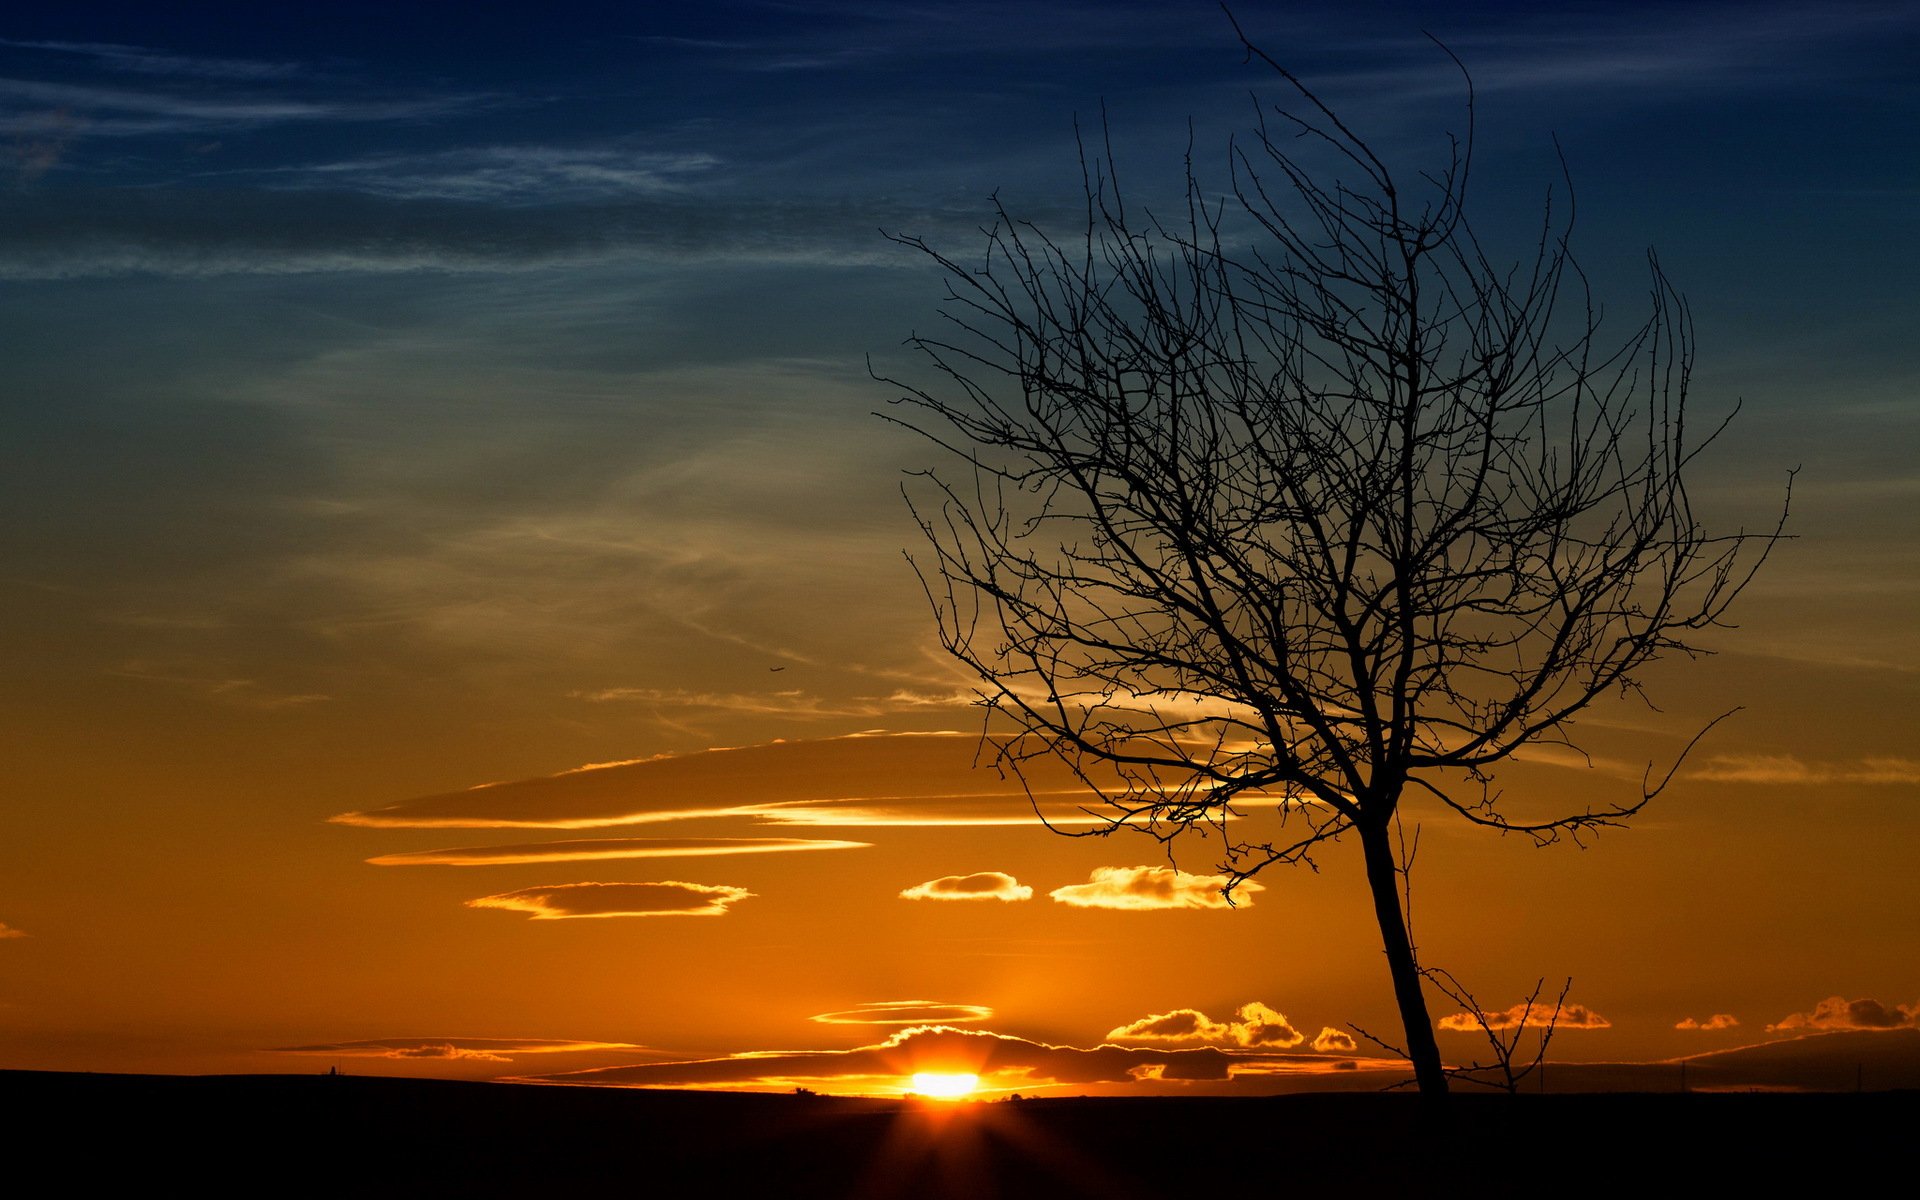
981	885
1334	1041
905	1012
858	780
466	1049
8	931
1254	1026
1715	1022
1141	888
1002	1061
1571	1016
1787	769
1180	1025
561	901
594	849
1837	1012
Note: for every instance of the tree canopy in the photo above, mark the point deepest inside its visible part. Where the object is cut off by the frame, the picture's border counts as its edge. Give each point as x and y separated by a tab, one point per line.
1301	497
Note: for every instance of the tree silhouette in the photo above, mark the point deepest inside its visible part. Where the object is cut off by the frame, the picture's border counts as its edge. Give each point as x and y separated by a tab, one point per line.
1305	499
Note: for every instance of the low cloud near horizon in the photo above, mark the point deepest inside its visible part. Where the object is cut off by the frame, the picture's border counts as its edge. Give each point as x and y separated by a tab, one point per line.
1838	1012
1138	889
1001	1060
670	898
8	931
981	885
1536	1016
1715	1022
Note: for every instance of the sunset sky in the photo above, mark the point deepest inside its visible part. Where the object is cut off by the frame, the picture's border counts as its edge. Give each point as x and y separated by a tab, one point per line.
400	399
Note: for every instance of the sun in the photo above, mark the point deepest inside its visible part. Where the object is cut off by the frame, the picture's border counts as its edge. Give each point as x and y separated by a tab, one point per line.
943	1085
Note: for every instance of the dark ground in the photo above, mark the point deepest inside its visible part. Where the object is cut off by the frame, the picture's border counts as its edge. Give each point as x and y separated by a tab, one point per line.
85	1134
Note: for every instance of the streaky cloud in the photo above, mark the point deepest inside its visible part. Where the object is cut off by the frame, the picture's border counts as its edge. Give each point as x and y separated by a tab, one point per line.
8	931
141	60
566	901
453	1048
599	849
870	779
905	1012
1786	769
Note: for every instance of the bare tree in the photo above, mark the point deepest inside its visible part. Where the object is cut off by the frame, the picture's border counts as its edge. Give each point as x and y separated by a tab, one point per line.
1304	500
1507	1067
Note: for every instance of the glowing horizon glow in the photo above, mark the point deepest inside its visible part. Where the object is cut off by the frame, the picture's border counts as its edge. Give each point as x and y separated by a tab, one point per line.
944	1085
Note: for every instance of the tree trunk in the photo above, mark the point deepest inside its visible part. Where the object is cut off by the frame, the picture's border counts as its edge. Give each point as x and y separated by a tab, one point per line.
1384	880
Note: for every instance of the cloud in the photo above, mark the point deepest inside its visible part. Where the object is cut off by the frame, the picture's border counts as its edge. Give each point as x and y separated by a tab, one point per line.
1180	1025
1837	1012
905	1012
1538	1016
542	175
148	112
1255	1026
1334	1041
143	61
1715	1022
596	849
982	885
562	901
1786	769
1137	889
466	1049
209	231
8	931
864	780
1001	1060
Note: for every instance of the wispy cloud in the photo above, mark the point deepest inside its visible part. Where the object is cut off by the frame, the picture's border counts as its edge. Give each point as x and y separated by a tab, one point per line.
597	849
564	901
905	1012
981	885
1141	889
1788	770
1717	1021
452	1048
141	60
542	175
211	231
1254	1025
1838	1012
127	111
877	779
232	690
8	931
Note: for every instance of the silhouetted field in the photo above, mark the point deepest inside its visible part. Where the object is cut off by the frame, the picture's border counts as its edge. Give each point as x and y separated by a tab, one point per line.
278	1135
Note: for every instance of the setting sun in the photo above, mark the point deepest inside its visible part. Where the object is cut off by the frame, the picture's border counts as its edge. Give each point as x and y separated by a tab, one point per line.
943	1085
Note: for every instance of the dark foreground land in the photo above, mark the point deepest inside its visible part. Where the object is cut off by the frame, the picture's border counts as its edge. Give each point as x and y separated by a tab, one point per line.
286	1135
